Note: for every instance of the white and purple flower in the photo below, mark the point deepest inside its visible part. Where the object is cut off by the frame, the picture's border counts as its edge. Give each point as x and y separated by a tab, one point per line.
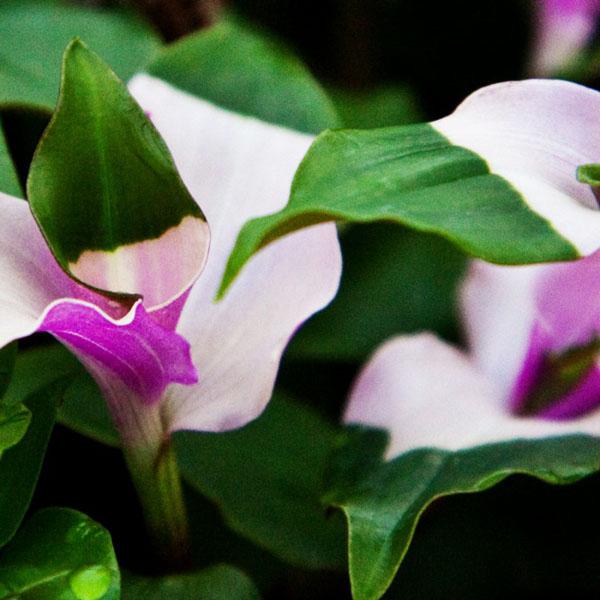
533	370
563	28
176	359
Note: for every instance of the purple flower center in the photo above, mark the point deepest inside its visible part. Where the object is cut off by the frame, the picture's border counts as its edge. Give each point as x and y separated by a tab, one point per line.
560	375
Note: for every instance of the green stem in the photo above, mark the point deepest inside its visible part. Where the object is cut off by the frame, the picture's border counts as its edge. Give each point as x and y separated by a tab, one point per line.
156	477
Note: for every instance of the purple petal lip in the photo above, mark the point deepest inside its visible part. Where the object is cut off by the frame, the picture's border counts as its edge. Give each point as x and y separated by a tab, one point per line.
146	356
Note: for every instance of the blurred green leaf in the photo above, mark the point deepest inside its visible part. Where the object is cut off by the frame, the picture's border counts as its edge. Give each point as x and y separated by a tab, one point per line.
85	411
266	479
383	501
383	106
8	356
33	36
60	554
20	465
9	181
39	367
83	408
14	421
394	281
221	582
244	70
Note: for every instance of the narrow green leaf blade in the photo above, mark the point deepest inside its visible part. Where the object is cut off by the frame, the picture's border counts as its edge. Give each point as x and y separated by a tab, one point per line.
242	69
102	182
60	553
414	176
278	461
221	582
34	33
383	501
20	465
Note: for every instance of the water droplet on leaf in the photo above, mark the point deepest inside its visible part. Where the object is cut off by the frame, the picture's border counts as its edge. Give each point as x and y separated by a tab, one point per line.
90	583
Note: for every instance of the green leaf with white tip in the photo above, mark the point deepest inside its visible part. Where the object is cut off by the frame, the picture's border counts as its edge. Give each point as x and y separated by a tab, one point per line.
20	465
221	582
279	461
240	68
383	501
106	194
33	36
60	553
414	176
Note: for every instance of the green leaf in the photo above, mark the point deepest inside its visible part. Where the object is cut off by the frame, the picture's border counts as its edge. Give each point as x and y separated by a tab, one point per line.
39	367
102	177
9	181
33	35
241	69
383	106
60	554
394	280
266	479
85	411
414	176
20	465
589	174
14	421
8	356
83	408
383	501
221	582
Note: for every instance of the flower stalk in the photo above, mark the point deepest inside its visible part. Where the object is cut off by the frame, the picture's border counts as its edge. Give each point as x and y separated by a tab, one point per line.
157	480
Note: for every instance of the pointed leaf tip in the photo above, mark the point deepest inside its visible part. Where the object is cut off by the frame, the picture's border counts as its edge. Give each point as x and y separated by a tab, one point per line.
106	193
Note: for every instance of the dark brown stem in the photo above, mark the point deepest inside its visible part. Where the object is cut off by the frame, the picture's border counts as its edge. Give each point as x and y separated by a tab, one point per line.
176	18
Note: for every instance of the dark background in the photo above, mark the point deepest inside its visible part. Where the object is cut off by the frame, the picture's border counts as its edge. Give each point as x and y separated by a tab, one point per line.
520	539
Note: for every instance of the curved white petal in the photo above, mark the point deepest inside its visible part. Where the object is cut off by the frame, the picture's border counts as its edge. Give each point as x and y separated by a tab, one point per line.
428	394
31	278
238	168
498	310
535	134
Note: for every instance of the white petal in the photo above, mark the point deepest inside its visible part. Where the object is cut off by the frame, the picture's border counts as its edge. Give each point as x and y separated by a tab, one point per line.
535	134
429	395
498	309
31	278
238	168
